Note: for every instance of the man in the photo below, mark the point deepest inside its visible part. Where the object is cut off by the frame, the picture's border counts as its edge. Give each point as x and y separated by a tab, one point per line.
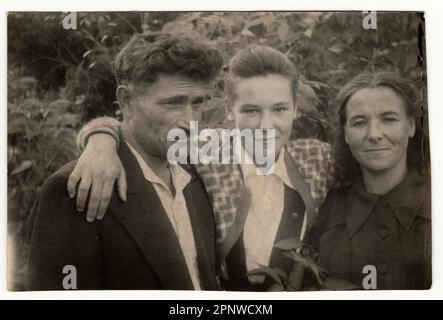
163	236
251	212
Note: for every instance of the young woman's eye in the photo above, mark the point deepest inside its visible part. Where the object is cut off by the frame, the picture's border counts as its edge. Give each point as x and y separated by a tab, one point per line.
281	109
250	111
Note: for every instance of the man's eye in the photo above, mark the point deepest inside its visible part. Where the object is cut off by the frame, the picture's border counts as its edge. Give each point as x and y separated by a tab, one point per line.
173	102
198	103
170	104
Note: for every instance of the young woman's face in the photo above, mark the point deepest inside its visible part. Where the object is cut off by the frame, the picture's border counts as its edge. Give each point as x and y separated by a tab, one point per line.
377	129
265	102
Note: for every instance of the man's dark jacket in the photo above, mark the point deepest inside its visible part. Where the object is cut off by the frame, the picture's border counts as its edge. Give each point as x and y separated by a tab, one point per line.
133	247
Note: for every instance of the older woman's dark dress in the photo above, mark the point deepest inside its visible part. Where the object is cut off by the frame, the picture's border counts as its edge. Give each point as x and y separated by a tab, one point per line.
391	232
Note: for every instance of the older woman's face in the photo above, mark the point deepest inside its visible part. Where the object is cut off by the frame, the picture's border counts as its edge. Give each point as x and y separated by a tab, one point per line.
378	129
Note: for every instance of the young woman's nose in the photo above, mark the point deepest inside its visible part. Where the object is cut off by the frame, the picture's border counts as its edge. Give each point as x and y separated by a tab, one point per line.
266	121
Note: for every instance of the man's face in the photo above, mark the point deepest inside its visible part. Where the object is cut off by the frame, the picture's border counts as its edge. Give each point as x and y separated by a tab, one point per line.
378	129
170	102
265	102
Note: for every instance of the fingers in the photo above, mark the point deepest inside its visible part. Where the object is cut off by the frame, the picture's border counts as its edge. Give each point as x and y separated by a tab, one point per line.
94	200
121	184
105	198
74	178
93	178
82	192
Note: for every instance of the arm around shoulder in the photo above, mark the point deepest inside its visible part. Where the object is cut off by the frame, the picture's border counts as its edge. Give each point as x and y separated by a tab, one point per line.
106	125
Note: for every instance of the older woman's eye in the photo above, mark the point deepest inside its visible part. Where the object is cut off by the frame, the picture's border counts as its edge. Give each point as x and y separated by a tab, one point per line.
358	124
389	120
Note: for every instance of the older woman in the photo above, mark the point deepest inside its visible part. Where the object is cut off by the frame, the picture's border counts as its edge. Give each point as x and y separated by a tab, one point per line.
382	217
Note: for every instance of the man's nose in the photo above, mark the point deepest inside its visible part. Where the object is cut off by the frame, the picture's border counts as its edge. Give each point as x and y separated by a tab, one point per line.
374	131
186	118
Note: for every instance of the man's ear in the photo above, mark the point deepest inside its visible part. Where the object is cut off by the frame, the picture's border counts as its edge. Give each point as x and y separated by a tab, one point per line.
228	109
124	98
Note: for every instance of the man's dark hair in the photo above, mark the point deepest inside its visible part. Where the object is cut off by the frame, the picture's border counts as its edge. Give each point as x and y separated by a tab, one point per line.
146	55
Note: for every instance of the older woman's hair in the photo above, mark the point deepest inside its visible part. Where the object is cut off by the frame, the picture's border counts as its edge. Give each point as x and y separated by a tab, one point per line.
258	60
147	55
347	166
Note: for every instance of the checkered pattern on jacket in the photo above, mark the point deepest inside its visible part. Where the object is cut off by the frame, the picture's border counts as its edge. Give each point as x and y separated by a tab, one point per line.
313	159
224	183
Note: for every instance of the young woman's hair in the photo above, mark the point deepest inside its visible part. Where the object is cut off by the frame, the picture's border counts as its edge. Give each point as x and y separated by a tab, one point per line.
347	166
256	61
147	55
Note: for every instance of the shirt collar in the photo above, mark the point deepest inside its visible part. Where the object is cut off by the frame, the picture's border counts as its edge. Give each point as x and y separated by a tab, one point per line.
408	198
405	200
180	177
248	169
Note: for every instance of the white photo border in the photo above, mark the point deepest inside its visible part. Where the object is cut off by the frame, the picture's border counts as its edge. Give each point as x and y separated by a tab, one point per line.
434	51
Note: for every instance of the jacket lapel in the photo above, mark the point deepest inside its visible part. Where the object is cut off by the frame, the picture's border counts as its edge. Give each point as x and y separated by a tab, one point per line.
303	189
242	204
230	203
203	228
144	218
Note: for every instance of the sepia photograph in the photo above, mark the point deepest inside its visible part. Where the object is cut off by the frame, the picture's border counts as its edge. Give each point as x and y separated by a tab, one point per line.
249	151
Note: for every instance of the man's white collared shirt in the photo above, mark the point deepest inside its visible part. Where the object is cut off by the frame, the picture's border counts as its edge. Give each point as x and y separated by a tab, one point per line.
176	210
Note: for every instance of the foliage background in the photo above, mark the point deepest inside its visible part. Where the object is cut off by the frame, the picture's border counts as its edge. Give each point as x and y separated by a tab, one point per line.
58	79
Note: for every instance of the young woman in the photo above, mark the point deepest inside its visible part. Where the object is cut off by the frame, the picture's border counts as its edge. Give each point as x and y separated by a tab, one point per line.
251	212
379	224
